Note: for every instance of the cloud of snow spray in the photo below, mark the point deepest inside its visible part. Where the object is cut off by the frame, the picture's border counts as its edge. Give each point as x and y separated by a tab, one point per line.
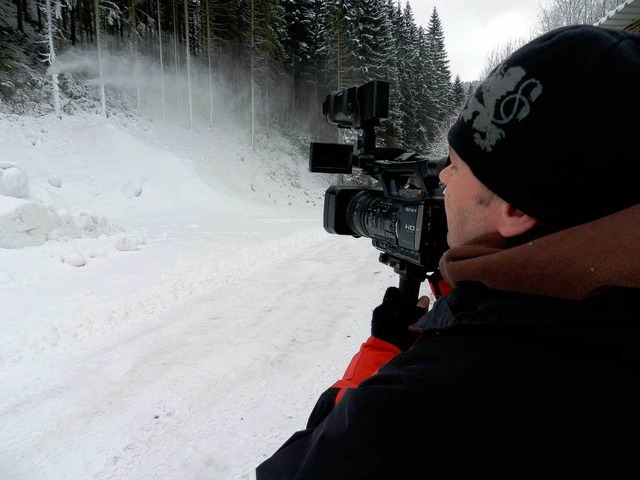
140	78
140	75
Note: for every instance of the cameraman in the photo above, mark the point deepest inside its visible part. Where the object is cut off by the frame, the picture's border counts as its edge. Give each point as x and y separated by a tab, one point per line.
530	366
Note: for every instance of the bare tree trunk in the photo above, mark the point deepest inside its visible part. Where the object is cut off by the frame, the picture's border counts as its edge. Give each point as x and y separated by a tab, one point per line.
293	85
338	63
103	103
20	7
186	36
175	52
73	13
209	60
52	60
253	73
315	98
39	20
57	18
238	90
25	10
266	83
133	31
161	64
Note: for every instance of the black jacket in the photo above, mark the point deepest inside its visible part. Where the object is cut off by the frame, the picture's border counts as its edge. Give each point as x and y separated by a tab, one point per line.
501	384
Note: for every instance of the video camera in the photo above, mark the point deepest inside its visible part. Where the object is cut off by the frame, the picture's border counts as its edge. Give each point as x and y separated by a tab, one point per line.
404	216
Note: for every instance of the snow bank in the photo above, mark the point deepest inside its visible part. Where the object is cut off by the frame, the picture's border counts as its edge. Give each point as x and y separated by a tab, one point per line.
26	221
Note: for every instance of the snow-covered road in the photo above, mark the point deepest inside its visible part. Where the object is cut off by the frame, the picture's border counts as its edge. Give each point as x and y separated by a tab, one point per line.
204	389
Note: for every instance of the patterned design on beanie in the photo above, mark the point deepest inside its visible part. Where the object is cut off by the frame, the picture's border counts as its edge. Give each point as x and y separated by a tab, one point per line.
545	132
507	96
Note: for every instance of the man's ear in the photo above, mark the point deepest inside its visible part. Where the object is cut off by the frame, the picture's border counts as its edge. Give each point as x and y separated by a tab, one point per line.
513	222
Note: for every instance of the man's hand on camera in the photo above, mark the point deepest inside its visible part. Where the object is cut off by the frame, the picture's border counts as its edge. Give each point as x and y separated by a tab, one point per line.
390	335
391	319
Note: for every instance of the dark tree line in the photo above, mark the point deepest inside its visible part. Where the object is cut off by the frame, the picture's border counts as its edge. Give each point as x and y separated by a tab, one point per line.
280	57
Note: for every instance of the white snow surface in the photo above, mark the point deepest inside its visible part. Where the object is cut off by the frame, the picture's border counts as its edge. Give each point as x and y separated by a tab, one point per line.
172	306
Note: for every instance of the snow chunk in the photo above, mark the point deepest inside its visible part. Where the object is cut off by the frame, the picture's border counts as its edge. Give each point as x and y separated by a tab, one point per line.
75	259
127	243
13	181
92	225
26	223
55	181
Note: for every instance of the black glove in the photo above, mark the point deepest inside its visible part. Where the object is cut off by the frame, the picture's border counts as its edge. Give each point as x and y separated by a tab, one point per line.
391	319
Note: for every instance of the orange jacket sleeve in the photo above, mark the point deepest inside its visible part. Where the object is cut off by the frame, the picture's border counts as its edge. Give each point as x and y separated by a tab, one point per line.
373	354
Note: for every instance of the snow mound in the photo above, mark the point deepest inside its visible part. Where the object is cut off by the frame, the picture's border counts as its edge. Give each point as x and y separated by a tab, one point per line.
26	221
75	259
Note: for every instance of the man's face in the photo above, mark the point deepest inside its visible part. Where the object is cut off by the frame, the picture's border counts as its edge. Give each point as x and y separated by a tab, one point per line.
472	209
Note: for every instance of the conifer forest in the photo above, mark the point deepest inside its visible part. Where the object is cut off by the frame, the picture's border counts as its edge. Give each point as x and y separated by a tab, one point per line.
266	63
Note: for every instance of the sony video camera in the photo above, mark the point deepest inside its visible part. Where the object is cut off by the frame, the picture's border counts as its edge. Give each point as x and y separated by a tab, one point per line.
404	215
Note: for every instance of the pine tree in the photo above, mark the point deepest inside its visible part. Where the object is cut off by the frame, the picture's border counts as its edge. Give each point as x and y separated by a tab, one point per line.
340	44
300	44
441	91
229	26
266	20
390	132
315	78
409	80
373	36
426	92
459	95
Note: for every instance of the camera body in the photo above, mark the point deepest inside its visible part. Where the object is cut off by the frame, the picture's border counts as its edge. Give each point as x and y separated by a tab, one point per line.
404	215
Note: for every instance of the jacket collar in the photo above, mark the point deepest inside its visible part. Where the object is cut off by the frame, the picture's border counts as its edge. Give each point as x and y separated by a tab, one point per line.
472	303
573	264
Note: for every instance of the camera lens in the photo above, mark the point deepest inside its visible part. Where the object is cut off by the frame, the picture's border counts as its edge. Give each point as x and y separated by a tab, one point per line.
372	215
396	222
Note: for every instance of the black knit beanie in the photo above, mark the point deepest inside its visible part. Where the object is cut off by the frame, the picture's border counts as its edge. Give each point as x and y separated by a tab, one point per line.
555	129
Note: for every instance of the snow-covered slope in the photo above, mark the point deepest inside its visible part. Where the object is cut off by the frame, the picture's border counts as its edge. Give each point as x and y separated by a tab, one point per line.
86	191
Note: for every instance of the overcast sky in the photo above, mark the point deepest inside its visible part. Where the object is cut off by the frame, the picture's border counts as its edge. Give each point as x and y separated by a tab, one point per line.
473	28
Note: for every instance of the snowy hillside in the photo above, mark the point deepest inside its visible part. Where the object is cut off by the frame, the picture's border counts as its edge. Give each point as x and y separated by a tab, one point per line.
172	304
86	188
